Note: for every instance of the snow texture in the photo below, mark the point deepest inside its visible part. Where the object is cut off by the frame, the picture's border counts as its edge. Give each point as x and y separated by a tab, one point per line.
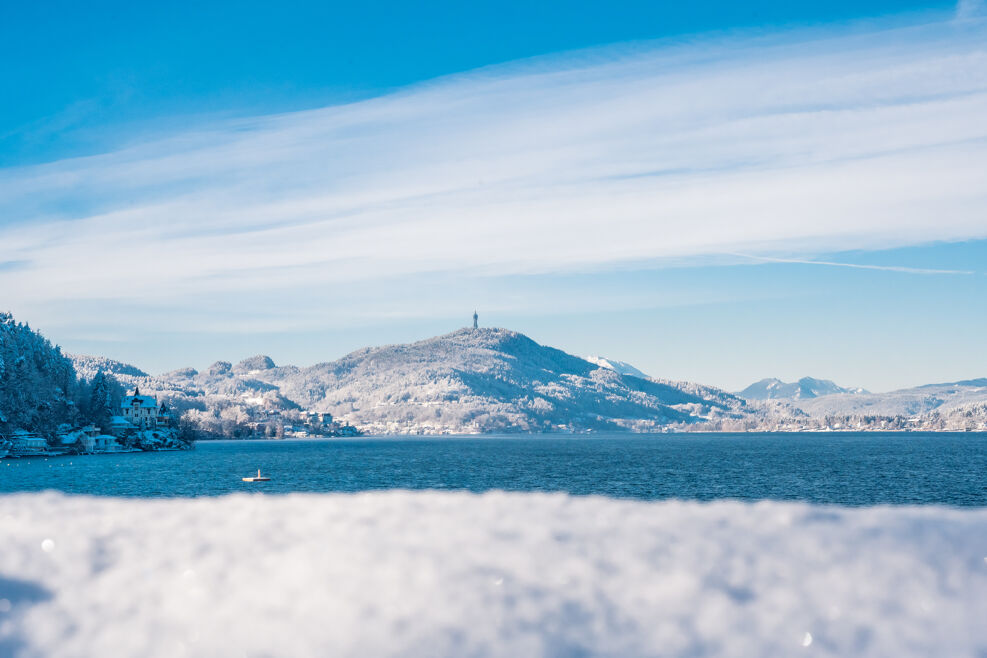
458	574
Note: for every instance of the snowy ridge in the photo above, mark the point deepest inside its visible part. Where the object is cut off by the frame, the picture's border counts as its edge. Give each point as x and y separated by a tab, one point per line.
942	399
457	574
804	389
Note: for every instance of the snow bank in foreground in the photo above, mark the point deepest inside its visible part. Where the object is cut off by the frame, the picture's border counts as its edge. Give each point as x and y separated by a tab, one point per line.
455	574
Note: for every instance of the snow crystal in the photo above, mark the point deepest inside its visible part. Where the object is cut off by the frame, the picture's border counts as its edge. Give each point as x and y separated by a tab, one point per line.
457	574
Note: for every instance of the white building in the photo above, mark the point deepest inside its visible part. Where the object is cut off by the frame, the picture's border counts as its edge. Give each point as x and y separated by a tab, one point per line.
143	411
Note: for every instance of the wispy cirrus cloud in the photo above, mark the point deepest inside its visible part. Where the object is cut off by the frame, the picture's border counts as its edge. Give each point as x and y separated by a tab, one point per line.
796	143
858	266
967	9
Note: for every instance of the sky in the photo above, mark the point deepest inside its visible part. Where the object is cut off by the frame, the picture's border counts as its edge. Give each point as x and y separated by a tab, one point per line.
716	192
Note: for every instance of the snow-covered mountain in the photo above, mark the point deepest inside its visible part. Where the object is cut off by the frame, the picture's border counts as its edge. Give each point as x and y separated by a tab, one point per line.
483	380
472	380
622	367
487	380
804	389
953	397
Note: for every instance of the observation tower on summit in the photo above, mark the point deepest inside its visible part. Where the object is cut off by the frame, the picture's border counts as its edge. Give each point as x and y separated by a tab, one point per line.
475	318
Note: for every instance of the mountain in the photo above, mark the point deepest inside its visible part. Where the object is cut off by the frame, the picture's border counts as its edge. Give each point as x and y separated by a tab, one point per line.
941	399
951	405
485	380
472	380
254	364
490	380
804	389
617	366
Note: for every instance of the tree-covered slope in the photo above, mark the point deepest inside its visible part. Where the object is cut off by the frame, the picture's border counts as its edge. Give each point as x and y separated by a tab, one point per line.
37	382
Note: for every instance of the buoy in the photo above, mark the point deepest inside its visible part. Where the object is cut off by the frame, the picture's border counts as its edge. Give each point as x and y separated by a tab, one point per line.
257	478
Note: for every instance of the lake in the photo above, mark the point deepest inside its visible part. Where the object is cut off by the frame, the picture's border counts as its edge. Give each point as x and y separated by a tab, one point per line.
841	468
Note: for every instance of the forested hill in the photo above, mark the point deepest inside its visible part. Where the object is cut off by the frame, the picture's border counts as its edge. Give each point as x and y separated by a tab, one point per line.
491	380
471	380
488	379
37	382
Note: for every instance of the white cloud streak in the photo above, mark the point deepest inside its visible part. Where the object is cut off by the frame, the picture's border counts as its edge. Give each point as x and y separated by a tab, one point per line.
856	266
968	9
795	144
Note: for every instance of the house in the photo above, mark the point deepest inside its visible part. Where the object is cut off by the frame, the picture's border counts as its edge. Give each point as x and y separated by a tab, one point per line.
165	414
89	441
119	426
140	410
105	443
348	430
88	438
27	444
317	419
144	411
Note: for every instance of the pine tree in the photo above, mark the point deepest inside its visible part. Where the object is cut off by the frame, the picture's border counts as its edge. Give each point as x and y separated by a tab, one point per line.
100	401
37	382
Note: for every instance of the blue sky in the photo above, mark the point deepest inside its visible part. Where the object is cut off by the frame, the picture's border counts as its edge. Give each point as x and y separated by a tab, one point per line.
78	74
716	192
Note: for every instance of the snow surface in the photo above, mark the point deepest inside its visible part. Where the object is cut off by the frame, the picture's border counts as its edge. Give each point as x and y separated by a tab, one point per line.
458	574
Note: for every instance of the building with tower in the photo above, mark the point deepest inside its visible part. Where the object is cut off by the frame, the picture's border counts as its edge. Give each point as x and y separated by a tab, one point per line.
144	411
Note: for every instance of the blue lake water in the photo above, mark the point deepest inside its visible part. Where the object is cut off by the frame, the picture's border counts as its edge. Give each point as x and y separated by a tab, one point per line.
843	468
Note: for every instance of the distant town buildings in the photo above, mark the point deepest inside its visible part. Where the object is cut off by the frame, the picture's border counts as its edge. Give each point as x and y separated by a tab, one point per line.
319	419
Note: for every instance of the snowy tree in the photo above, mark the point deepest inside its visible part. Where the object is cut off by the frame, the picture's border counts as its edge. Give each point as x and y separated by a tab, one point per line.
100	407
37	382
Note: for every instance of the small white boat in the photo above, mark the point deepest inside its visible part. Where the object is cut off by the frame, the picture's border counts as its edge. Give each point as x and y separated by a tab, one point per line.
257	478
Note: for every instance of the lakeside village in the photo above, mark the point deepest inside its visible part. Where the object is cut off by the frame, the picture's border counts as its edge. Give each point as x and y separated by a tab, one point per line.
145	425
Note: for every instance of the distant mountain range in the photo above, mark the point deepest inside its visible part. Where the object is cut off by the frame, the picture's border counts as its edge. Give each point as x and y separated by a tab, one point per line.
804	389
966	398
489	380
821	398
